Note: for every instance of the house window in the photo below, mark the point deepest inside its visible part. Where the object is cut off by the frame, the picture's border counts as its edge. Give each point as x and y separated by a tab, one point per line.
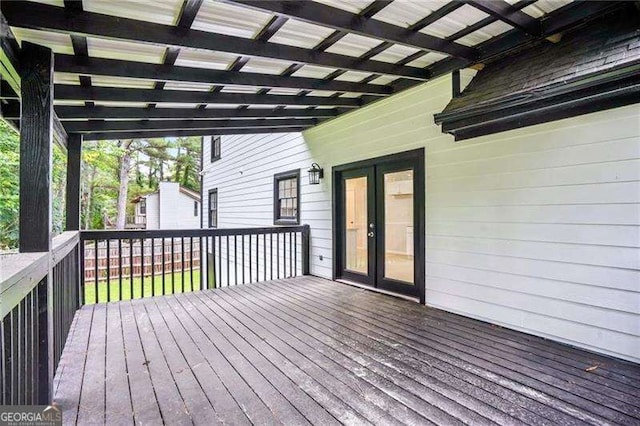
143	206
213	208
286	196
195	208
216	143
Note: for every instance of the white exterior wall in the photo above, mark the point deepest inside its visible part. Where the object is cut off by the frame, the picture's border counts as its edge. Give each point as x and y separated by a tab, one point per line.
153	211
176	208
536	229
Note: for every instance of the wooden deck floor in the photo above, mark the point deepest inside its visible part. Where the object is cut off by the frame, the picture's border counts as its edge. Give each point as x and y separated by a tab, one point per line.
308	350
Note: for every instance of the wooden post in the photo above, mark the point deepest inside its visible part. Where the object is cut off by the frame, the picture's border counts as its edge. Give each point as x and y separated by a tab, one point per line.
306	252
36	138
74	150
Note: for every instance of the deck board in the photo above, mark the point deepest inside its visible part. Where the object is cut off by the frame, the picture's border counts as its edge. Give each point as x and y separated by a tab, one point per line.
309	350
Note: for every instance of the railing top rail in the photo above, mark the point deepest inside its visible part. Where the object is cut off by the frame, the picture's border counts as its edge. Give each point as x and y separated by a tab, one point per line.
21	272
178	233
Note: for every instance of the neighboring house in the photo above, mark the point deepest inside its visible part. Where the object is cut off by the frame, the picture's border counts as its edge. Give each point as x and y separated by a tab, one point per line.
533	228
171	207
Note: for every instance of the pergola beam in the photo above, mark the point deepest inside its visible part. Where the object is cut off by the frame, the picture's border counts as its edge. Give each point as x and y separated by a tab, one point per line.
119	94
121	126
101	113
132	69
44	17
195	132
507	13
320	14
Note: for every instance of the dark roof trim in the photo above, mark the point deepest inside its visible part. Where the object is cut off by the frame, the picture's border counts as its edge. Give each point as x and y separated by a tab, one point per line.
596	92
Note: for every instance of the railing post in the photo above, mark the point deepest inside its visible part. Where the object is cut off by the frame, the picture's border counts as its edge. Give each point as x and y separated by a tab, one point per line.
74	150
36	144
306	261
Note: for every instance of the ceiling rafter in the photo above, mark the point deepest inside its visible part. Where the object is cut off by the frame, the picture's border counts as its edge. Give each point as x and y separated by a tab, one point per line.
102	112
52	18
503	11
142	125
141	70
183	133
188	13
320	14
119	94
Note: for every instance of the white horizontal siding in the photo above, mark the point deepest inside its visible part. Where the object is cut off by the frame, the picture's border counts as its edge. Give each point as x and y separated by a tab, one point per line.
537	229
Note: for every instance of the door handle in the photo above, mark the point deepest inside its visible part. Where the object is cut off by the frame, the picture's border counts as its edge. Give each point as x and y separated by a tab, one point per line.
370	234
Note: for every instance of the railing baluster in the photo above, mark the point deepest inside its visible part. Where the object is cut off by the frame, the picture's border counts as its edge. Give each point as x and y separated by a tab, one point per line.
213	261
108	273
141	267
153	267
191	262
250	258
173	265
295	254
242	250
95	261
271	253
81	290
220	258
120	269
235	259
182	264
278	253
130	268
228	269
164	290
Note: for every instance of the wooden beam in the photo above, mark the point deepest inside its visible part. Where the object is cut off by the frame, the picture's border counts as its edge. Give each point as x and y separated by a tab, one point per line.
140	125
509	14
132	69
196	132
68	92
74	151
339	19
45	17
9	55
101	113
36	138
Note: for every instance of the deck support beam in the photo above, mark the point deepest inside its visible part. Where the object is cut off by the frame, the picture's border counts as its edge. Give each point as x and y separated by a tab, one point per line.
74	151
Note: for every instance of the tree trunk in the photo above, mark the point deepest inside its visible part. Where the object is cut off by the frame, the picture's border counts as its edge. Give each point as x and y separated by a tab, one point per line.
125	168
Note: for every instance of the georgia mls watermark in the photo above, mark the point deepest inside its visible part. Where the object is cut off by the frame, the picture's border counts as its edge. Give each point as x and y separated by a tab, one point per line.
30	415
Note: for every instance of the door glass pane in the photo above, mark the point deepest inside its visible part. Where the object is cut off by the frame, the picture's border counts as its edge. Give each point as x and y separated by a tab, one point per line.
356	224
398	227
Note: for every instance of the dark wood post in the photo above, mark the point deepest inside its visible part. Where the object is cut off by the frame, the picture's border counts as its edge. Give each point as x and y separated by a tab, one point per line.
455	83
36	138
306	252
74	149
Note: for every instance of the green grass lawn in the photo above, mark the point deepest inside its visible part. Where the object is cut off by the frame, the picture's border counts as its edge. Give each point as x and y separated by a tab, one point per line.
142	287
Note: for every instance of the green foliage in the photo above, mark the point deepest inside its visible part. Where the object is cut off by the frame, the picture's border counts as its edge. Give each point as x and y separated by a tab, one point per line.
153	161
9	182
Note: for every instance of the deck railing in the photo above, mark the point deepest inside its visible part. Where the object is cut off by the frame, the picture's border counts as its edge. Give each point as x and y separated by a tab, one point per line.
41	292
122	265
39	295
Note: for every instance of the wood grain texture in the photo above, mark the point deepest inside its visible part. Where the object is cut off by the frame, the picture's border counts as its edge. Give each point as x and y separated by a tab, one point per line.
312	351
36	137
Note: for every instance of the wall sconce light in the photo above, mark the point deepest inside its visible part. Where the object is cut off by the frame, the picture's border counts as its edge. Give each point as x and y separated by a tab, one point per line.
315	174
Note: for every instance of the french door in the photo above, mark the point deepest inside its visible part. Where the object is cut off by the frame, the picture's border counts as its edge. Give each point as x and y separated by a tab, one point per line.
379	223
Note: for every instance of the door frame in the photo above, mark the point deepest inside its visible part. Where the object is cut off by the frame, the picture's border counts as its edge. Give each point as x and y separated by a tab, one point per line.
419	235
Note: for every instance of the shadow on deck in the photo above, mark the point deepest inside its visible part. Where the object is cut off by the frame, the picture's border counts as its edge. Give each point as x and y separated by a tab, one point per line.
308	350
